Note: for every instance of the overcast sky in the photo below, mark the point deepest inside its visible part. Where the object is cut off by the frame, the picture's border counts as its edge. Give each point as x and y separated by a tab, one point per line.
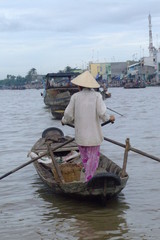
51	34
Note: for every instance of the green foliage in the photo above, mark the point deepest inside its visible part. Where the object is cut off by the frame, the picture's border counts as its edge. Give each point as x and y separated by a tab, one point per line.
31	76
11	80
15	81
68	69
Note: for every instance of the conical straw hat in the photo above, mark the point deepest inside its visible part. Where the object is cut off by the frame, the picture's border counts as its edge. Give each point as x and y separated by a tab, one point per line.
85	80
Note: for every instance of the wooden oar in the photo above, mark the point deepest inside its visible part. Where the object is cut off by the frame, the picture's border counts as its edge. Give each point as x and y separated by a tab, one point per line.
133	149
103	124
35	159
115	112
60	176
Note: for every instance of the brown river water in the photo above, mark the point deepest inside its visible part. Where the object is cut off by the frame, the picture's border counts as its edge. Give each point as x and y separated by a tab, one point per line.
30	211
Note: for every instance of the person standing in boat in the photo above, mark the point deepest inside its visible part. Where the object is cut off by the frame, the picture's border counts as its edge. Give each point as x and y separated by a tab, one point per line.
86	110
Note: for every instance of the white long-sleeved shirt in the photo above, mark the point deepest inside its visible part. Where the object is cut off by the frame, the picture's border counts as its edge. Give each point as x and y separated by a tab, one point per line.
86	110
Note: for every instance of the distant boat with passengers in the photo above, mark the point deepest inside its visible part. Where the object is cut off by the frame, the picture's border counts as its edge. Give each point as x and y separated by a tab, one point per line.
58	90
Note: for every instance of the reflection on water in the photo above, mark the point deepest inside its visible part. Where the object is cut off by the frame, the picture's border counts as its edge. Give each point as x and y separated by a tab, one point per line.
28	210
87	220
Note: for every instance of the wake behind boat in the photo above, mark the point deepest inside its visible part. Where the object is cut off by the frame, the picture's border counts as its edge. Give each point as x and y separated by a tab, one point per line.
62	169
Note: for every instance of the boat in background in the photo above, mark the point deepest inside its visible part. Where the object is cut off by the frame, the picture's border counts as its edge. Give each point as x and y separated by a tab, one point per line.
104	92
59	104
57	86
59	89
107	94
134	84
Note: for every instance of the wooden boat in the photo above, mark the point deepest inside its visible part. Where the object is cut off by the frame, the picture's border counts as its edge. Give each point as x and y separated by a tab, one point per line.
135	84
104	92
61	169
58	91
59	104
57	87
107	94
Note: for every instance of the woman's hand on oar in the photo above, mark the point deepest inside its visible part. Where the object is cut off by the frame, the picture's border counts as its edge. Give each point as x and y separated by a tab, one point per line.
112	118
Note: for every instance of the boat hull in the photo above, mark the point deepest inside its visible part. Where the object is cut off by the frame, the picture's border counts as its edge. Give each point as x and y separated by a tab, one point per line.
105	184
103	188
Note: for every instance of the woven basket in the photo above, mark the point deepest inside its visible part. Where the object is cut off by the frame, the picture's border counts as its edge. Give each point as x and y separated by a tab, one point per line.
70	172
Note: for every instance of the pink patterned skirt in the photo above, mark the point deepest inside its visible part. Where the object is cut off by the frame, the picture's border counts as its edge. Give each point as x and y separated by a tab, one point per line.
90	160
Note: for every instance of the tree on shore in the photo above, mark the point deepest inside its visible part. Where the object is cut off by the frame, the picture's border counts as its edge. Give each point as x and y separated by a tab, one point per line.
15	81
12	80
31	76
68	69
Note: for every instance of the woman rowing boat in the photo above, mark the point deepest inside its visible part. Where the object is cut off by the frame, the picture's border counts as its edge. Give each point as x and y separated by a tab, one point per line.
86	110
